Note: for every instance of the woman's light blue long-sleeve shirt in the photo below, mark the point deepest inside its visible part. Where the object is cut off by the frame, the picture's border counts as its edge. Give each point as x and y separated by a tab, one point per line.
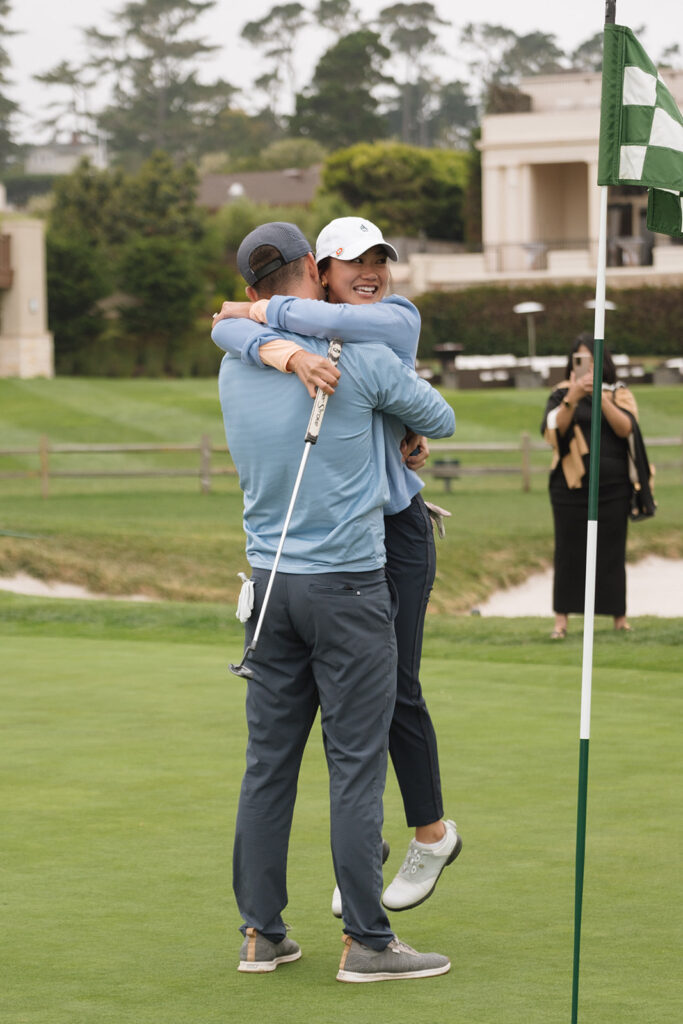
393	322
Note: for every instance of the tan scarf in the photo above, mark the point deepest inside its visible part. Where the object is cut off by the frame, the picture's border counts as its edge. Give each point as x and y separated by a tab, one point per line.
572	463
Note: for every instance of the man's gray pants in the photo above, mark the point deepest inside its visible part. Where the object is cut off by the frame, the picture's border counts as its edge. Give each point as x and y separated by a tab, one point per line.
327	641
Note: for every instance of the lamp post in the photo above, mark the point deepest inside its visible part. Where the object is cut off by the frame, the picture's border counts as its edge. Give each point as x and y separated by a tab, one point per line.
590	304
529	309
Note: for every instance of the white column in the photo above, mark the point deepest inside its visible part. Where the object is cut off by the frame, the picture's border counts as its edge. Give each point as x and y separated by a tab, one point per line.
492	186
26	346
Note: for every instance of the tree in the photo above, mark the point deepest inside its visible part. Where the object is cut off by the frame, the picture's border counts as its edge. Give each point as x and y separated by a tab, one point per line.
339	108
77	278
86	204
588	55
532	54
160	200
140	241
487	45
82	233
286	153
276	35
670	56
241	137
160	263
404	189
339	16
72	113
162	280
410	31
158	100
500	58
455	117
447	115
8	108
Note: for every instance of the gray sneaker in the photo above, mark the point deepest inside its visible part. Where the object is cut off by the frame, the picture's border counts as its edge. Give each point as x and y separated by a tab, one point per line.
359	963
259	955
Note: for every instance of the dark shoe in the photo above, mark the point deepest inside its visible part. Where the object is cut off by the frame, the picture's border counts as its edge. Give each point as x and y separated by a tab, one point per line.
360	963
559	634
259	955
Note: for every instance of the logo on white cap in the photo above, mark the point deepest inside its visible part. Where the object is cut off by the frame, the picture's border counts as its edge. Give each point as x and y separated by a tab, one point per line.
343	239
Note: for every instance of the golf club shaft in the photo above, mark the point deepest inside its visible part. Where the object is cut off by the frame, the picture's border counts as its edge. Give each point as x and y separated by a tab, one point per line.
302	466
312	432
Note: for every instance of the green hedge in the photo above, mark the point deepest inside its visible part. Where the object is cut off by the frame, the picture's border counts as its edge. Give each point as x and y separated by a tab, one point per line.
647	321
22	187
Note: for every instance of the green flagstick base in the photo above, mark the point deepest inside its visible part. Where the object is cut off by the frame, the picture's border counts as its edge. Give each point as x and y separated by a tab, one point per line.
580	860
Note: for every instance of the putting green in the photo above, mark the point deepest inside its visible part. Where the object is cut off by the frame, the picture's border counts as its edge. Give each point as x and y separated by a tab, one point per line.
121	761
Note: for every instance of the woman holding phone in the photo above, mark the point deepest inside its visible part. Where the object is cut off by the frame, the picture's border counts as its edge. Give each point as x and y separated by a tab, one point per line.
567	427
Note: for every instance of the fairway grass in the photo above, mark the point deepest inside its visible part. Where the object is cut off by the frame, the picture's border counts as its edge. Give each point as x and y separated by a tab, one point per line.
122	752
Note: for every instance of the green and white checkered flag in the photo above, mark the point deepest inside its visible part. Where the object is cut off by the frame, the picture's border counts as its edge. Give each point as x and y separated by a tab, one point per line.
641	130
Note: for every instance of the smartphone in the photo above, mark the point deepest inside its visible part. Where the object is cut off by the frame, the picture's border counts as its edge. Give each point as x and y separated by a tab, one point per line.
582	363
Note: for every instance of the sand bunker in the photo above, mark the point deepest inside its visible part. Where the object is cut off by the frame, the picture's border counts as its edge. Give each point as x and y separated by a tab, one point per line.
22	583
654	586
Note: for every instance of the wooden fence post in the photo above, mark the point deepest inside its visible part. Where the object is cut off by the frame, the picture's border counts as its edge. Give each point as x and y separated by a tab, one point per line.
526	461
44	465
205	464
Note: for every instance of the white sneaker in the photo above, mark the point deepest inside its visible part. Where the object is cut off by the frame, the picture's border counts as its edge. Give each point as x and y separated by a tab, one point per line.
420	871
336	895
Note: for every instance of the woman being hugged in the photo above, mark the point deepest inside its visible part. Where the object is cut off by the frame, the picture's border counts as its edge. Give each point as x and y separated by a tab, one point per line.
351	256
567	427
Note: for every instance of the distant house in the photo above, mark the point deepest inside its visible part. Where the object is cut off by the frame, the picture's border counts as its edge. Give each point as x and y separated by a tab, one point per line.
64	157
293	187
541	201
539	177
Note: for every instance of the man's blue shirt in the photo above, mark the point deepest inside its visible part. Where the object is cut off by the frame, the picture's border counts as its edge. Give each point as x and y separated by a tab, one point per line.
337	521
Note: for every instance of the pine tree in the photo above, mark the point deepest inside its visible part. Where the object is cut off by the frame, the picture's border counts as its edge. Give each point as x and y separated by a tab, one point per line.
158	99
8	108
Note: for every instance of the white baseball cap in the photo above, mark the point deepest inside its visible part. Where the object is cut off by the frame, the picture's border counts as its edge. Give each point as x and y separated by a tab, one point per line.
348	237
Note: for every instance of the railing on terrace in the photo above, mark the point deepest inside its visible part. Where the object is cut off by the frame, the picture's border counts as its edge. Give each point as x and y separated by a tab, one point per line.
444	463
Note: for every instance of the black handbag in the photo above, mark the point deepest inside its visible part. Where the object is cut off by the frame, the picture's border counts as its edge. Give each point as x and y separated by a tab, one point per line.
643	504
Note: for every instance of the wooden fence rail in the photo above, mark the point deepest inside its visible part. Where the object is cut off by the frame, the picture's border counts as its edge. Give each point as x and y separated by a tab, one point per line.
447	469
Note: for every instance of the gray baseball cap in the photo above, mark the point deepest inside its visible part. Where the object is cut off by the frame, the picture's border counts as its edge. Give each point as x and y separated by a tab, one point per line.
286	238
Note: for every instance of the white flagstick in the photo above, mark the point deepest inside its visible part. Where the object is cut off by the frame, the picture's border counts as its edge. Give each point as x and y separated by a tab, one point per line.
592	533
589	596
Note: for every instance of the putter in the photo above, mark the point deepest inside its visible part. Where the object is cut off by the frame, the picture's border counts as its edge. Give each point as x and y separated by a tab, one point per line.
312	432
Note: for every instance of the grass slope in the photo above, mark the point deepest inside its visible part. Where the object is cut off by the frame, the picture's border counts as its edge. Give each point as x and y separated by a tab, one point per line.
123	747
163	539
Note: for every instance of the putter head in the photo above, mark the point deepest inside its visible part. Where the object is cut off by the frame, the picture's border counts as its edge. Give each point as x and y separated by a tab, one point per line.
241	670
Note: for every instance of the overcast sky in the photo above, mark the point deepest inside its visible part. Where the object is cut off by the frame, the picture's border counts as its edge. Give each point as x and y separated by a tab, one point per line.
51	32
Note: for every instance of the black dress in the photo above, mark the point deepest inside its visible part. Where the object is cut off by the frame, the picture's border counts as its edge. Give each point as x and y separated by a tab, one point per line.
570	513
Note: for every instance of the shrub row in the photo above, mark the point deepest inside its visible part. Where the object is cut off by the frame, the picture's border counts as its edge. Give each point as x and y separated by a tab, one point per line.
22	187
647	321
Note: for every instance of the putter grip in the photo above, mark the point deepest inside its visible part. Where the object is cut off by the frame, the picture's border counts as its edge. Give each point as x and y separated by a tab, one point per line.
320	400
